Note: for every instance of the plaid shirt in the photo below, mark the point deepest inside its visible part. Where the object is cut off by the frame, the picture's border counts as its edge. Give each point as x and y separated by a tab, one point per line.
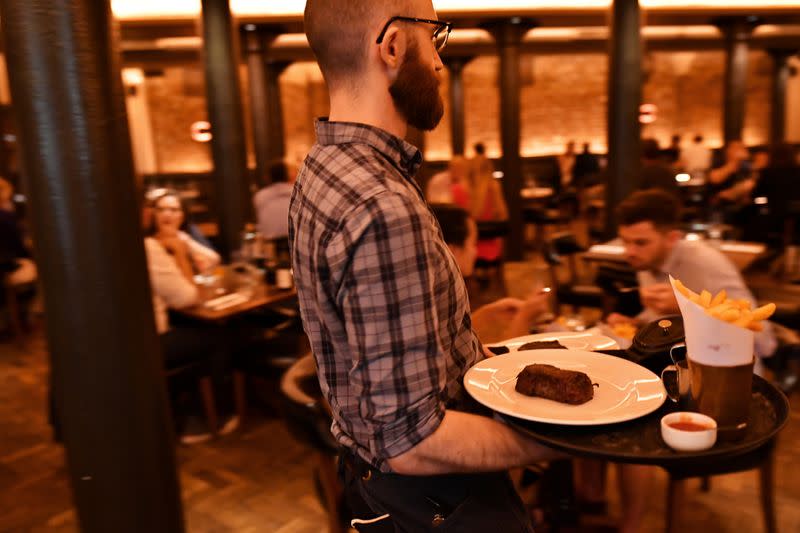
381	296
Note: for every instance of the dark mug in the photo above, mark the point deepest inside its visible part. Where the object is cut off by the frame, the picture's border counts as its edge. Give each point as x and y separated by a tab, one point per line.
721	392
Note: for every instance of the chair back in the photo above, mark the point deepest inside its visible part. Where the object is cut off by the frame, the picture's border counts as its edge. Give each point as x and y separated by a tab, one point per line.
560	246
493	229
566	244
305	412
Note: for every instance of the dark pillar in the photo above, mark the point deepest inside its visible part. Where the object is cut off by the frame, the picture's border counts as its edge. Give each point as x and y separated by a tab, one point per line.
106	362
508	35
256	43
737	36
225	114
276	144
780	77
624	98
455	65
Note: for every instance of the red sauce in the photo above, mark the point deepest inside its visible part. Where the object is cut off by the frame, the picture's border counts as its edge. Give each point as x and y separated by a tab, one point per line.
684	425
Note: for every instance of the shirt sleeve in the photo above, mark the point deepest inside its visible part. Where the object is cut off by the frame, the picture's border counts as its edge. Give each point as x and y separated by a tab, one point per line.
166	279
720	273
386	299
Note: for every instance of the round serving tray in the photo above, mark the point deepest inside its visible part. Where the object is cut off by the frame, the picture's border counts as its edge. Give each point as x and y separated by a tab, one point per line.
639	441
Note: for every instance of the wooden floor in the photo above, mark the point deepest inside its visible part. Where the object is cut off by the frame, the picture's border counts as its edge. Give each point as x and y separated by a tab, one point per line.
260	480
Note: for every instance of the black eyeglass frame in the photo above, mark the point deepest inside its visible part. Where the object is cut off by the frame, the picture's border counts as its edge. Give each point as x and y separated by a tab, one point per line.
440	26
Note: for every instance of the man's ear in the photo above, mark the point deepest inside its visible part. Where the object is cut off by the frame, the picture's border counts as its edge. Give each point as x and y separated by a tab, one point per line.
393	48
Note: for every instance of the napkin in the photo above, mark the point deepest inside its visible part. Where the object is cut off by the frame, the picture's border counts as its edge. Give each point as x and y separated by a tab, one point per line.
712	341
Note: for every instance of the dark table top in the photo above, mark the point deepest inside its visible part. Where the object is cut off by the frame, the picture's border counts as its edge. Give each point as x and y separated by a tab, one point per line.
639	441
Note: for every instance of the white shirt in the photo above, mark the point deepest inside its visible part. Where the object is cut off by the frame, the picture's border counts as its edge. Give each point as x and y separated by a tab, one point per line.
272	210
696	157
170	287
699	266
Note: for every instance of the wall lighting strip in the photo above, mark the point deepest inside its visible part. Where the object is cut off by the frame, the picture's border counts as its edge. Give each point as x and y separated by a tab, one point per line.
150	9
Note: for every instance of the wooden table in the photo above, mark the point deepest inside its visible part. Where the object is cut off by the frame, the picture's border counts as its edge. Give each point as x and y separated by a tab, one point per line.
263	296
741	253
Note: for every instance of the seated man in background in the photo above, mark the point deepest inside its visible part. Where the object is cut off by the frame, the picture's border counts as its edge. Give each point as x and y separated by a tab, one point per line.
656	174
504	318
272	201
655	248
729	185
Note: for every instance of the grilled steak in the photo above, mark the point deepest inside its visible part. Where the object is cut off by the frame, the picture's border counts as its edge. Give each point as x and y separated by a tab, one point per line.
543	345
547	381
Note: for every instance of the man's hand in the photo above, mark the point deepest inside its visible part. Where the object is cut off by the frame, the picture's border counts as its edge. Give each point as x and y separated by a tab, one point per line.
538	302
660	298
179	250
173	244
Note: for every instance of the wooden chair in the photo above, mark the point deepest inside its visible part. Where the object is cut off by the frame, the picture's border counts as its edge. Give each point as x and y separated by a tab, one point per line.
562	248
542	217
308	418
268	358
206	389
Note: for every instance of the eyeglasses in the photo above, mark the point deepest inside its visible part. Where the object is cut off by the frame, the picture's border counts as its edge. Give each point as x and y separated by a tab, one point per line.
440	34
168	210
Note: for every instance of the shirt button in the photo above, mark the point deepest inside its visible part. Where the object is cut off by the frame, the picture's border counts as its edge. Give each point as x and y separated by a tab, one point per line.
367	476
438	520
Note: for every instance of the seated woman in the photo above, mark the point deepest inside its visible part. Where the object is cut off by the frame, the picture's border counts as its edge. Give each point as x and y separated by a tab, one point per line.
504	318
173	258
487	205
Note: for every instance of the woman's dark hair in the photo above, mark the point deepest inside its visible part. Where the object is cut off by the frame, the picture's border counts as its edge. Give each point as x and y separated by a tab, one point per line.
659	207
650	149
152	201
454	223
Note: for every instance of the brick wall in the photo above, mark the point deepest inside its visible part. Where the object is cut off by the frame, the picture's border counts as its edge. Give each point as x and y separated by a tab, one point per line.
177	99
563	98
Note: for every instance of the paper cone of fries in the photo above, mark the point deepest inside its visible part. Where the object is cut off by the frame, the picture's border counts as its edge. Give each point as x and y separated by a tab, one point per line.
711	340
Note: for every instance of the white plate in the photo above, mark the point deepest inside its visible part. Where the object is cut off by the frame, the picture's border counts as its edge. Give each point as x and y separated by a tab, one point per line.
572	340
627	390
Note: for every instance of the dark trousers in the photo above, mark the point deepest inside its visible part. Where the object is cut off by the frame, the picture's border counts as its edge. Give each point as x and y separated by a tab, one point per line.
453	502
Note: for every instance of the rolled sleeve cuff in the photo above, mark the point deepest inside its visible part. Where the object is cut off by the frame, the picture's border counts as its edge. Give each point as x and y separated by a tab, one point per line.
416	425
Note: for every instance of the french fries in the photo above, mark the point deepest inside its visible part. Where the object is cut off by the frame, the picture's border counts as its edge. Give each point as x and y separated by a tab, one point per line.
737	312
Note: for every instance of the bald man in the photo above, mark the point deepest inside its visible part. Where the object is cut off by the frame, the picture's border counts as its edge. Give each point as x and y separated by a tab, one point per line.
381	296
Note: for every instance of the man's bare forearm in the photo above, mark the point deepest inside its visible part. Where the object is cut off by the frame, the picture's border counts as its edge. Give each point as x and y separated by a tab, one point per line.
470	443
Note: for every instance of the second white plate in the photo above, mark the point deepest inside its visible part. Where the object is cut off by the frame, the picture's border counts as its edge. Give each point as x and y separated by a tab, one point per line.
572	340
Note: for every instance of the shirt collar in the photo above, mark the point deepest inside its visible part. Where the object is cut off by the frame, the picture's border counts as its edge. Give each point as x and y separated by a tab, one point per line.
405	155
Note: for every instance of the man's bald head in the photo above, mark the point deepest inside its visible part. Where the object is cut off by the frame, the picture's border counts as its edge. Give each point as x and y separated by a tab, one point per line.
341	31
